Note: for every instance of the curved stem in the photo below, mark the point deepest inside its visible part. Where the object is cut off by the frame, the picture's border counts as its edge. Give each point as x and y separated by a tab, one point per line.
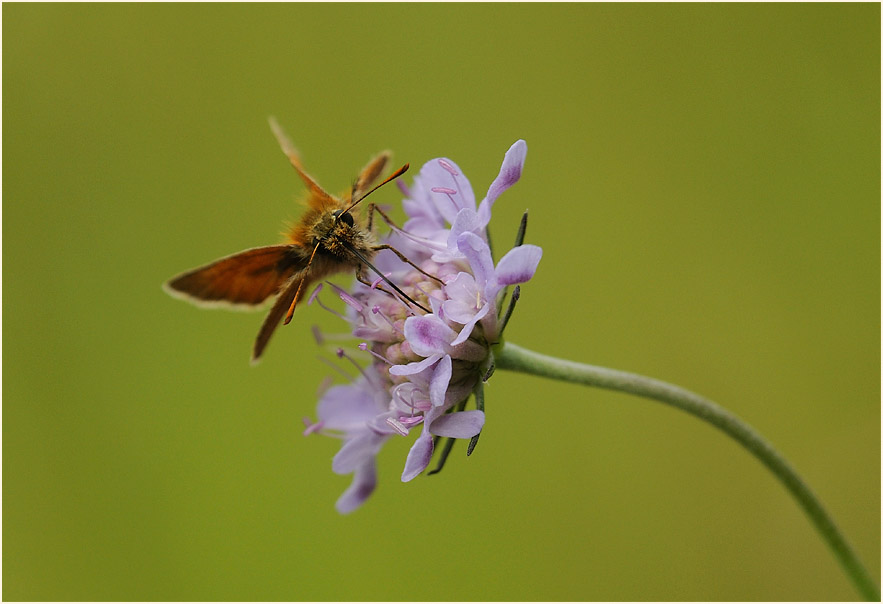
512	357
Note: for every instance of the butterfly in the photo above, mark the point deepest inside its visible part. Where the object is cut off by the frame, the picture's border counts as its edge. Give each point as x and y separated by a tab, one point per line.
329	238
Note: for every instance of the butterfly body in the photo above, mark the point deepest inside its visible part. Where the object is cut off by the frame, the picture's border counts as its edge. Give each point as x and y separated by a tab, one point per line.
334	236
327	239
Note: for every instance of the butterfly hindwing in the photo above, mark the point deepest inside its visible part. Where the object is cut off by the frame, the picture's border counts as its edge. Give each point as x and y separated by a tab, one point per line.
369	174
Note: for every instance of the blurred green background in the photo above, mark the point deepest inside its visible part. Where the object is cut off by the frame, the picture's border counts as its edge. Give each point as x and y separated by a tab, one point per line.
704	181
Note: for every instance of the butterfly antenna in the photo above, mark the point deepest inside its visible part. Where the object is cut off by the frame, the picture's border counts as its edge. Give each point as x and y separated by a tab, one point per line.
391	177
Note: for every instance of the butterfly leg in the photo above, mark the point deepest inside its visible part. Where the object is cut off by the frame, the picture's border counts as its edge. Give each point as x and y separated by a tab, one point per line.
362	278
372	207
404	258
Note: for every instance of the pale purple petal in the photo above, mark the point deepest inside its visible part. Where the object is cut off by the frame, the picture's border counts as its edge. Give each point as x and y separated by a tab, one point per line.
435	305
463	424
414	368
458	311
364	482
470	324
467	221
441	377
478	254
435	240
408	398
375	328
510	171
418	456
419	207
428	335
355	451
463	298
424	226
462	287
421	451
443	175
380	426
347	407
509	174
519	264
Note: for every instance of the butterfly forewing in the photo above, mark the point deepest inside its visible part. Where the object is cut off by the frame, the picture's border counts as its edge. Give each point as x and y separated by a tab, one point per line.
319	199
246	279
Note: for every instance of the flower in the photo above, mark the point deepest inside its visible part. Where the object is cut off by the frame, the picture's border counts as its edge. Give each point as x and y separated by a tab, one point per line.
424	366
350	412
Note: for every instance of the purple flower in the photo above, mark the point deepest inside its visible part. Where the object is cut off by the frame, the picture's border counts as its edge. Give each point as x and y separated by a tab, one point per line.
473	297
424	366
442	196
350	412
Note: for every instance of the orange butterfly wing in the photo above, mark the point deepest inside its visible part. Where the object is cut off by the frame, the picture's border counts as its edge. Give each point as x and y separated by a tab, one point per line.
246	279
283	304
370	173
319	200
251	277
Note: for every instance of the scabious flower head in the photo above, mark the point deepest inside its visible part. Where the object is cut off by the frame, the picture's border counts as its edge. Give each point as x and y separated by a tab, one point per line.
424	366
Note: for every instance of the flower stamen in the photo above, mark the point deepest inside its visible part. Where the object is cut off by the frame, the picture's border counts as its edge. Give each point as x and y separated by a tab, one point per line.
447	166
315	297
397	426
312	428
376	310
445	190
341	354
337	368
364	347
347	298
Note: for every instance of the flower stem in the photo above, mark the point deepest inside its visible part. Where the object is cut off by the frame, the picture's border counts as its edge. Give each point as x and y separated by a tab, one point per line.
514	358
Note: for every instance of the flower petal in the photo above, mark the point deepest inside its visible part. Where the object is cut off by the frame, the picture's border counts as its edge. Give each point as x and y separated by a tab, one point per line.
458	311
463	424
414	368
428	335
519	264
421	452
438	384
446	188
356	451
478	254
464	300
462	288
467	221
347	407
364	482
509	174
418	456
470	324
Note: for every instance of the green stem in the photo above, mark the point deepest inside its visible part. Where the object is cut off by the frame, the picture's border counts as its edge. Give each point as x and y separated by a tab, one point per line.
514	358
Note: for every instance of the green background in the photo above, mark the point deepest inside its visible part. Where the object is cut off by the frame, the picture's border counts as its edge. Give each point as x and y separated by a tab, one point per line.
703	179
